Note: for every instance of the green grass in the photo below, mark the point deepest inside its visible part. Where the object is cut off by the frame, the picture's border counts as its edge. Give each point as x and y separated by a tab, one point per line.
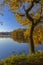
29	59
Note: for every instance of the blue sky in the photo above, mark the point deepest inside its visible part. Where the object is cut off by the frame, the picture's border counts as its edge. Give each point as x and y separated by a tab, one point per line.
9	21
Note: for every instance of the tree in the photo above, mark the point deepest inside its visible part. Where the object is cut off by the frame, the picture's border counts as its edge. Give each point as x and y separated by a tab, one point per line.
28	12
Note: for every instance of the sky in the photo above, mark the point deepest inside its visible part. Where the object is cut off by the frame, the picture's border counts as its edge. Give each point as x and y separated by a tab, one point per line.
9	21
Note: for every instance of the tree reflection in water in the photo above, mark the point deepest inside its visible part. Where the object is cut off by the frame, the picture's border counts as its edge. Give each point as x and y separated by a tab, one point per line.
23	40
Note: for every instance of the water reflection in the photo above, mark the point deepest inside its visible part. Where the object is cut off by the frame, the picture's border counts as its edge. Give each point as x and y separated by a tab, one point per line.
11	44
21	40
8	45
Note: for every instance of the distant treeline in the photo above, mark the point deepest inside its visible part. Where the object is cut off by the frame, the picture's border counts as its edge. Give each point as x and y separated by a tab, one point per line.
18	35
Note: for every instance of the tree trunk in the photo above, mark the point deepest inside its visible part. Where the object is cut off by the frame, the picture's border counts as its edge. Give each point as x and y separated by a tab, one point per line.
31	40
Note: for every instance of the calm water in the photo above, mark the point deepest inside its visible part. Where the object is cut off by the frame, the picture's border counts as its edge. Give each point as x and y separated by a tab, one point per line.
8	45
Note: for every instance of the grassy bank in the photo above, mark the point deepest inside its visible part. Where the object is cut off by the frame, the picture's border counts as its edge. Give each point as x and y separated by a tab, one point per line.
30	59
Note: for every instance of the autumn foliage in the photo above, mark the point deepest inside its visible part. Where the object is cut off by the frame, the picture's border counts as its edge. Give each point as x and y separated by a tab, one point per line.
29	12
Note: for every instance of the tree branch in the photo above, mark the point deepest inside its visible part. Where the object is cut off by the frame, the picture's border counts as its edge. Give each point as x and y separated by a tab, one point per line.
28	15
26	11
22	15
34	1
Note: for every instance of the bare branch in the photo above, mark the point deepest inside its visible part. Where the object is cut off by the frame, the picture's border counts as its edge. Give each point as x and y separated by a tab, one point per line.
32	4
28	15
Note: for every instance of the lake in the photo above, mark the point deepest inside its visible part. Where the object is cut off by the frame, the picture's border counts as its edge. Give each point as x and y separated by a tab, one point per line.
8	46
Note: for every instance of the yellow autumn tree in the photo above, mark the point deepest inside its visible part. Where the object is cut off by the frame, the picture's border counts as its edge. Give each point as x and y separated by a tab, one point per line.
29	12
